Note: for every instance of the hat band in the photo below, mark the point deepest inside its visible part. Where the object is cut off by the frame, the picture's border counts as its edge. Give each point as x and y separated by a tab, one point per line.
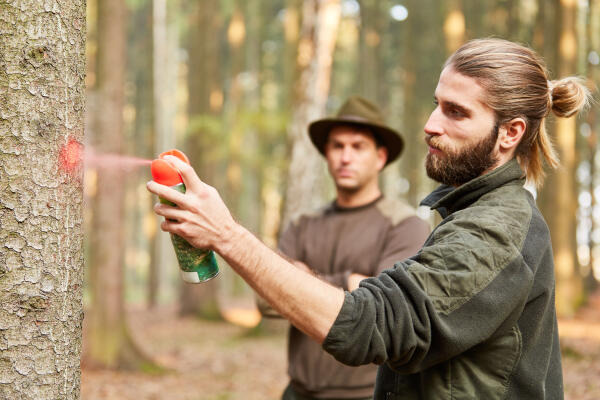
353	118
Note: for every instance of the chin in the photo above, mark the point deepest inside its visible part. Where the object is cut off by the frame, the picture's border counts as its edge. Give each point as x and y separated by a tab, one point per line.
347	186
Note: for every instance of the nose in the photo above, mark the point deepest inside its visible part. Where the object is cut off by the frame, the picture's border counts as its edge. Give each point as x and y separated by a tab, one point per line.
434	123
346	154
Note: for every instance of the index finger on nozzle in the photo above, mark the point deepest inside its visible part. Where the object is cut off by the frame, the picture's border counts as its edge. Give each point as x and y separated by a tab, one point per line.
190	178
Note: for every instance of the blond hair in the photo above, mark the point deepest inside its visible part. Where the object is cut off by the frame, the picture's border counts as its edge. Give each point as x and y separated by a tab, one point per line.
515	80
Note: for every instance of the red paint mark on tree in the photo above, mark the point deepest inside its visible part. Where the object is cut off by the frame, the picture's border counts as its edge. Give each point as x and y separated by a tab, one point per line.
71	156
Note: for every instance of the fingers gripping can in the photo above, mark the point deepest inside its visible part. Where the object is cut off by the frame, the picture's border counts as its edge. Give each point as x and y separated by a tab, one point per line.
195	265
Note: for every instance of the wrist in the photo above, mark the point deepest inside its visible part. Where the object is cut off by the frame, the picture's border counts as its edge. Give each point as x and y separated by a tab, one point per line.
232	237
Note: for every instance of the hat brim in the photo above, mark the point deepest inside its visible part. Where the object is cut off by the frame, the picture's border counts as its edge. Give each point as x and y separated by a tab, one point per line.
318	132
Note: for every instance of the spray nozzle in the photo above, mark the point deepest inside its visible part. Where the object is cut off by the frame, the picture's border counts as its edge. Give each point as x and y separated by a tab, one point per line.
163	172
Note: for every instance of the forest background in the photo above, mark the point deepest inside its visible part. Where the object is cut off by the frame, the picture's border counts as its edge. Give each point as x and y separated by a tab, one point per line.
234	85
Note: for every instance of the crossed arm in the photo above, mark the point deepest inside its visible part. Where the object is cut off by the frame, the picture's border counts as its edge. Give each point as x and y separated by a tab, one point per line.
202	218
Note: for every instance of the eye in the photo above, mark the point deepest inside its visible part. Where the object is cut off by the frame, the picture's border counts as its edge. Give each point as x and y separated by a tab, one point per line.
454	112
435	102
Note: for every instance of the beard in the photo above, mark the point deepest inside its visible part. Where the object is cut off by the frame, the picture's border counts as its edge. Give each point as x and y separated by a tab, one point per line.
457	167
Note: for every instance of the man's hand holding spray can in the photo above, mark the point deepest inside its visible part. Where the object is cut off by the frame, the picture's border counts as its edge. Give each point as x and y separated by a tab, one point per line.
196	265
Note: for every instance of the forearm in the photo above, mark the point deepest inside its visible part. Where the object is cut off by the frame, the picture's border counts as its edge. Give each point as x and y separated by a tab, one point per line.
307	302
204	221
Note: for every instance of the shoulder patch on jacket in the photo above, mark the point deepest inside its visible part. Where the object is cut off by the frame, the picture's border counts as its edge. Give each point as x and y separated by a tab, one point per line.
395	210
317	212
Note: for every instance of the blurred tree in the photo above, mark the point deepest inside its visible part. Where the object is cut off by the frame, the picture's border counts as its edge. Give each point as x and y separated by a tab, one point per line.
202	143
291	30
140	141
249	210
276	81
560	191
110	344
391	90
228	142
234	127
145	131
513	26
476	13
163	259
42	69
374	23
591	61
454	25
423	61
320	19
587	145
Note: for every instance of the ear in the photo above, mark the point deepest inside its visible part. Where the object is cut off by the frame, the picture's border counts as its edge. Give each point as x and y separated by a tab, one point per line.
382	155
511	133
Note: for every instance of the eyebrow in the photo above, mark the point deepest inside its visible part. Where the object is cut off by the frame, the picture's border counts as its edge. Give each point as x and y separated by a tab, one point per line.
352	143
459	107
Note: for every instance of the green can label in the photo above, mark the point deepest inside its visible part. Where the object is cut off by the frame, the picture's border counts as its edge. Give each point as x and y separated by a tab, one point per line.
196	265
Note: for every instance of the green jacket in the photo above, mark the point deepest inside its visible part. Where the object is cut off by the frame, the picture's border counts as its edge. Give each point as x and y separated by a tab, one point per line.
472	315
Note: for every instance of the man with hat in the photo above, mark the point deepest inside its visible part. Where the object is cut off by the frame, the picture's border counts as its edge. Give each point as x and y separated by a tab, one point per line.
358	235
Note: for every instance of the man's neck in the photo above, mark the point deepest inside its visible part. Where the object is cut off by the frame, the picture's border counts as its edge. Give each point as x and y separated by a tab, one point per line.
359	198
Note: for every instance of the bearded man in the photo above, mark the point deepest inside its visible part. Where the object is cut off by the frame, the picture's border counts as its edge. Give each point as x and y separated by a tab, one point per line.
472	314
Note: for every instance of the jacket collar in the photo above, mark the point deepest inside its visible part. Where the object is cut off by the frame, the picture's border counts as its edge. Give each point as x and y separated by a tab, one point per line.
448	199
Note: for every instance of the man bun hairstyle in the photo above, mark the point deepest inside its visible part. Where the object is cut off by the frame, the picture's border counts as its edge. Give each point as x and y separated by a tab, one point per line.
568	96
516	85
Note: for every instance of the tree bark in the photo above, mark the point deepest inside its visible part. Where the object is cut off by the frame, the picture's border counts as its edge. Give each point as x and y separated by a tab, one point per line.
320	19
42	69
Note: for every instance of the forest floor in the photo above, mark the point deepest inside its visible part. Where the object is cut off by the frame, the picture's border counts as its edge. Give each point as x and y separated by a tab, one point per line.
208	360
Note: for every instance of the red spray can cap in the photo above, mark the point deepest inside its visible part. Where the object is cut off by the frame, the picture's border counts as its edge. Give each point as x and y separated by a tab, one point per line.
163	172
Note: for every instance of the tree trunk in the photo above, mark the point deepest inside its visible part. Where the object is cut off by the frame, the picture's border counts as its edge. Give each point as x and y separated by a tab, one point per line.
204	106
454	25
42	69
320	19
109	342
476	14
374	23
422	62
140	59
163	262
560	185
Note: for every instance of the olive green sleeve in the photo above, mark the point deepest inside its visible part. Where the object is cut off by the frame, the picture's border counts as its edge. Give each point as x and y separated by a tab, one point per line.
466	282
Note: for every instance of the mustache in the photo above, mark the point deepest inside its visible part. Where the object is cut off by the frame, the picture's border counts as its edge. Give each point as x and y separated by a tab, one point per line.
434	142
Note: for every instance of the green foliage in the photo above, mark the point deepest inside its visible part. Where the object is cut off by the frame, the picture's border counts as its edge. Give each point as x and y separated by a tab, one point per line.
151	368
209	311
135	5
227	7
209	126
571	352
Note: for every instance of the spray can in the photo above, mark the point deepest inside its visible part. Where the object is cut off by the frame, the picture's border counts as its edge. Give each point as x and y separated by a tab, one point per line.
195	265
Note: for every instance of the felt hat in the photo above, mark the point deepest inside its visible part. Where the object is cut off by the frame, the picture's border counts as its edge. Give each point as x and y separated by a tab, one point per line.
360	112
